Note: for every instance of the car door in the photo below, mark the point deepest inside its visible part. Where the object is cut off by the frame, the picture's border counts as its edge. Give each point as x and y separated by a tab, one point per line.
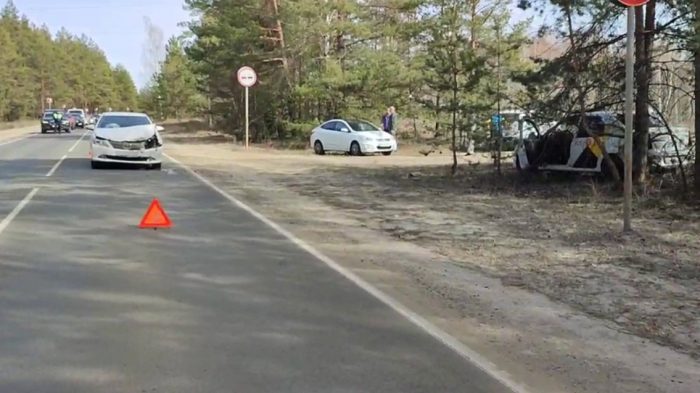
343	136
326	134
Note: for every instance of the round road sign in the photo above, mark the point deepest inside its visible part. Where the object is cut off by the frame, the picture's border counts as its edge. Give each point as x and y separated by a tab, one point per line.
633	3
247	76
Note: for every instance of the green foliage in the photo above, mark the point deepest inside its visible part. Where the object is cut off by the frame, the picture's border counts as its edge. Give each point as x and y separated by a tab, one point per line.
318	60
125	95
297	131
173	90
71	70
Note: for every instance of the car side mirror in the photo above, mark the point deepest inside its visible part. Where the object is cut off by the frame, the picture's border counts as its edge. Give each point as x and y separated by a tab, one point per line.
160	128
344	129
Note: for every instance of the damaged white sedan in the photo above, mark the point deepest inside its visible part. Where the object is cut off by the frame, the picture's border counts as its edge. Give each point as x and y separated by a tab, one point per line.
126	138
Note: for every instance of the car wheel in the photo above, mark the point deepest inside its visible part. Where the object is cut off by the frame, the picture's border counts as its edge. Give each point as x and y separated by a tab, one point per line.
355	149
386	153
318	148
43	131
156	166
96	165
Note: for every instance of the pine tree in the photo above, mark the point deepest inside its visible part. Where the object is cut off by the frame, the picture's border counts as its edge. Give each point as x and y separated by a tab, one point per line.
454	66
125	90
177	83
71	70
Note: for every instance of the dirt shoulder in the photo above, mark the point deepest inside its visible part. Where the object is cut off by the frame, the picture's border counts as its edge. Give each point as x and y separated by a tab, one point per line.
534	276
17	130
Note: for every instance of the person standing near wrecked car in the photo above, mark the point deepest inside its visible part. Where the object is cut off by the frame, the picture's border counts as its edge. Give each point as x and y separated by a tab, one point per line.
390	120
386	121
393	121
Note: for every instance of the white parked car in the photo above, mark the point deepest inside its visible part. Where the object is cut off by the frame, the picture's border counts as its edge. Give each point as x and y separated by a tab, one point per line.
126	138
356	137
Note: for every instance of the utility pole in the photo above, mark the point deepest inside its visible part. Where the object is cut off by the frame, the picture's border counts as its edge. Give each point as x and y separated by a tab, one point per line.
499	124
629	119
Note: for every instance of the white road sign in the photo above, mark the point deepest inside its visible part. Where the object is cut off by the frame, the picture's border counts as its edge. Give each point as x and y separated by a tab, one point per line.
247	76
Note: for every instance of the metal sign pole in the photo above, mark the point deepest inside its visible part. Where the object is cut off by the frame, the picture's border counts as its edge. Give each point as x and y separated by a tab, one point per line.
246	78
629	119
246	118
498	99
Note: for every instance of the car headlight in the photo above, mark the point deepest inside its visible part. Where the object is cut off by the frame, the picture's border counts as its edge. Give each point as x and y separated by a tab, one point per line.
101	142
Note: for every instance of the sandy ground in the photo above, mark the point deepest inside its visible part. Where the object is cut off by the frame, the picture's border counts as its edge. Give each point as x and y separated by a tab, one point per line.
18	130
534	275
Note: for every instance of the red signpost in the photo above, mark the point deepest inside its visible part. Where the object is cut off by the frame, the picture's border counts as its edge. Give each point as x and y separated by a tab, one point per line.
633	3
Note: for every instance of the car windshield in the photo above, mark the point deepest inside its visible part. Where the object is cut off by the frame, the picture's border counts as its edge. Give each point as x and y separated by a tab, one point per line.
123	121
78	113
362	126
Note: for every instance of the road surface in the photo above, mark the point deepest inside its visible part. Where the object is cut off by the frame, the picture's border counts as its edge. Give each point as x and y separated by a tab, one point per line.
219	303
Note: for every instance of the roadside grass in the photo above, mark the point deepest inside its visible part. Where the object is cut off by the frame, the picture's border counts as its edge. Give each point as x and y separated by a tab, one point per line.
556	235
17	124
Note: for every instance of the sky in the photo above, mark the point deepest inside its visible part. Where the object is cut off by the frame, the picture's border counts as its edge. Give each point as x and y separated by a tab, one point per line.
117	26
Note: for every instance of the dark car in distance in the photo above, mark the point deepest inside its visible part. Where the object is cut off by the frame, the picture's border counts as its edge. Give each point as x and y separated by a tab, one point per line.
48	123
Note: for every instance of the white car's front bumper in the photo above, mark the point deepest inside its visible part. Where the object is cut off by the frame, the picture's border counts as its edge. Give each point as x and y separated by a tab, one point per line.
378	146
103	153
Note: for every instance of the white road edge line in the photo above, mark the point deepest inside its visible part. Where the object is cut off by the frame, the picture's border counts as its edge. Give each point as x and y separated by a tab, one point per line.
77	142
56	165
14	140
445	338
7	220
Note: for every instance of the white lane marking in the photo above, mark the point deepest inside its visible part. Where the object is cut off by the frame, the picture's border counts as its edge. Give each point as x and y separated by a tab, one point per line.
14	140
56	165
7	220
77	142
445	338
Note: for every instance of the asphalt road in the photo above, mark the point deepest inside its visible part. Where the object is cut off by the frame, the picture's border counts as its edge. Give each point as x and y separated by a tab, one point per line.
219	303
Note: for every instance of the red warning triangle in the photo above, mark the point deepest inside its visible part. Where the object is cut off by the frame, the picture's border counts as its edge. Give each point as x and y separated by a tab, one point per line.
155	217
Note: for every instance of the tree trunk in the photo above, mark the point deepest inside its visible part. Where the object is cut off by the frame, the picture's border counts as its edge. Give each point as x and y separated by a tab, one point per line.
454	123
438	112
645	24
696	61
276	35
